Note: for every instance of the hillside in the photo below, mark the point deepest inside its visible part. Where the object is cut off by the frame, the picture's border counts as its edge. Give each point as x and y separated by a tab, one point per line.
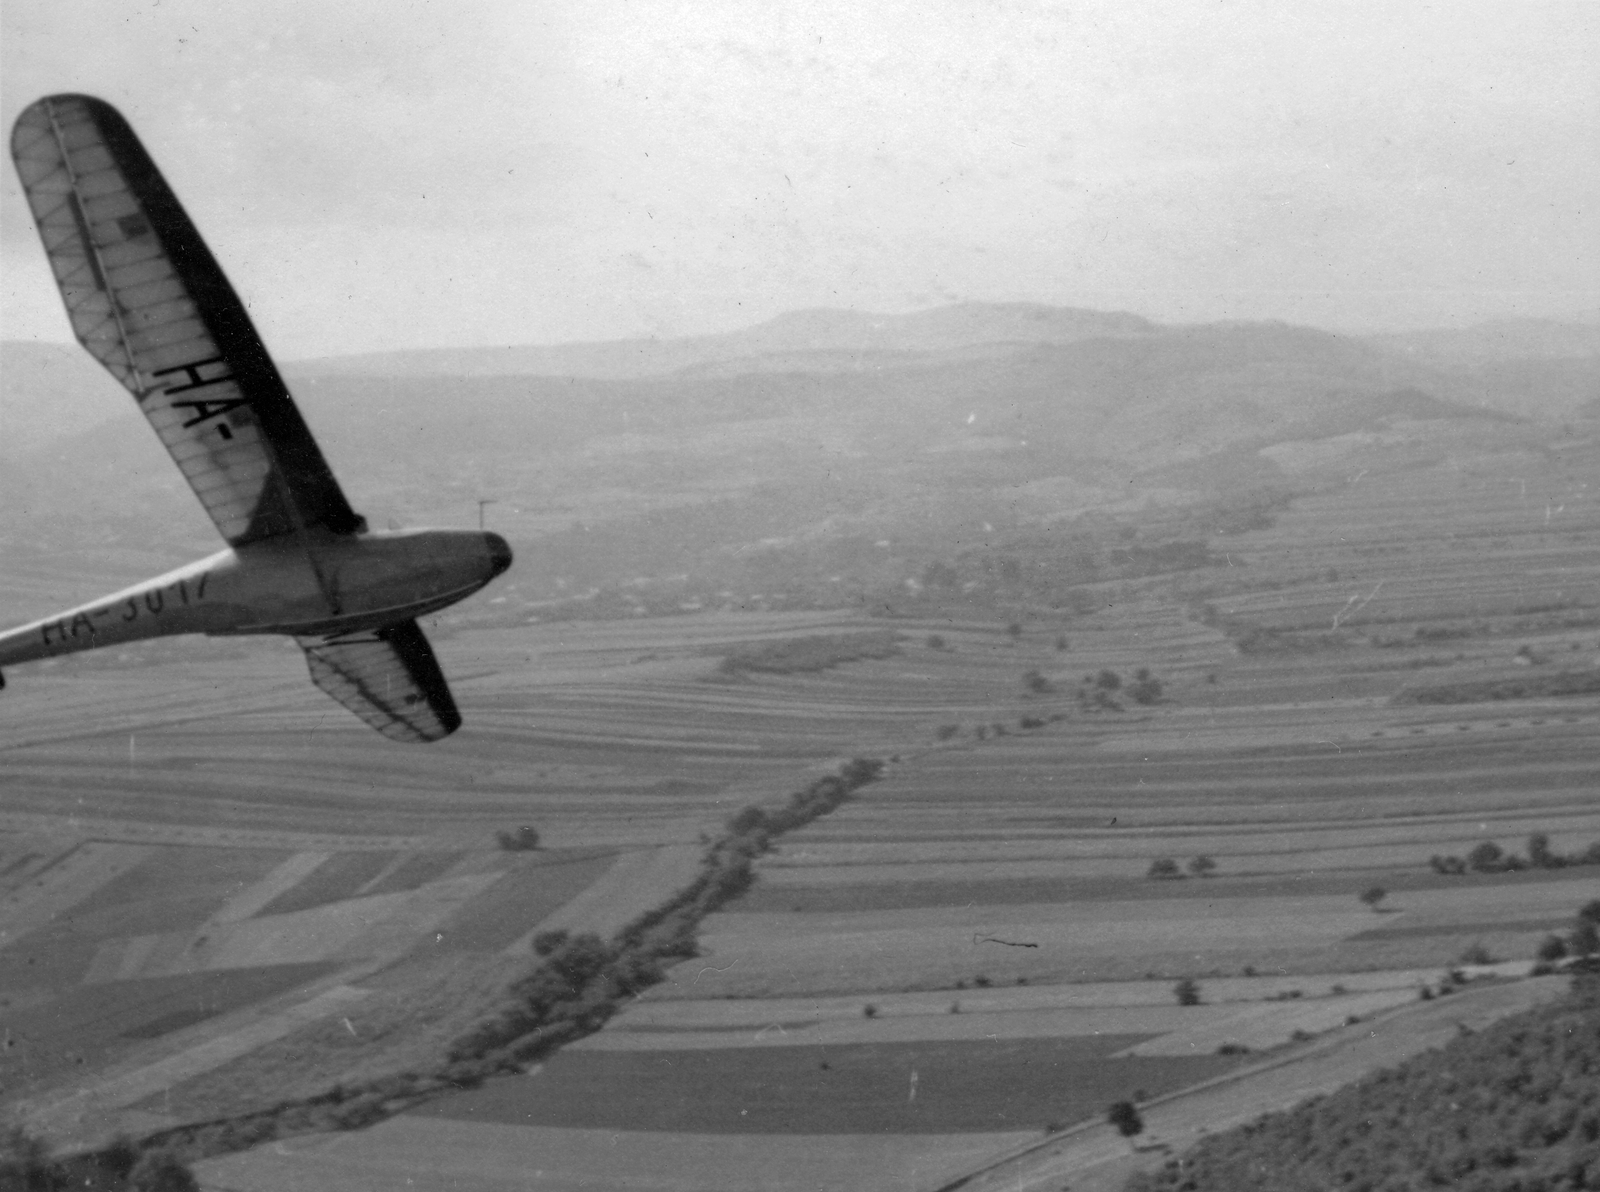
1515	1106
824	459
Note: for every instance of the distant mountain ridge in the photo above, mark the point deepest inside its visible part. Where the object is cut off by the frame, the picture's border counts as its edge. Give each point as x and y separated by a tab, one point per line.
777	458
938	330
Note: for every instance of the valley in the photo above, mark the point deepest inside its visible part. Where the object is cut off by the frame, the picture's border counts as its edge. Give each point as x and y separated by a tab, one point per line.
1369	632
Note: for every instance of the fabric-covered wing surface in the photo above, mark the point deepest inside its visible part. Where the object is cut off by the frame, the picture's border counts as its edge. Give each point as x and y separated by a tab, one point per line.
388	677
148	300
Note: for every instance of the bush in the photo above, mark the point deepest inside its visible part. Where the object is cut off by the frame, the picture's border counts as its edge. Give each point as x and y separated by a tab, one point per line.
159	1170
1552	947
1124	1115
1485	857
547	942
1145	688
524	839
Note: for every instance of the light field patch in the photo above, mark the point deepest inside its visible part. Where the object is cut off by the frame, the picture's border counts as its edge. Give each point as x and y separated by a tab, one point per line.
434	1155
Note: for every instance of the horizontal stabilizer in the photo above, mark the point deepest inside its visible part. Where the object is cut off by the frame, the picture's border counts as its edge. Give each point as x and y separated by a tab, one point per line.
388	677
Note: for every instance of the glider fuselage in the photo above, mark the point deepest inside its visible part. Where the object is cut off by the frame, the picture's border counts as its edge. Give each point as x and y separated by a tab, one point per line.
316	586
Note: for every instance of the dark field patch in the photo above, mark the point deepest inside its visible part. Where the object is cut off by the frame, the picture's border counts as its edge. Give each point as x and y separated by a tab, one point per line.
173	888
52	957
415	871
83	1026
337	878
891	1088
897	896
535	886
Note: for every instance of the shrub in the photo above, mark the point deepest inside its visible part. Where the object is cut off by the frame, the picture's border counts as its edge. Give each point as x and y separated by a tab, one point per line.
1447	865
524	839
1485	857
1202	866
1035	682
1187	991
1164	867
1108	680
1552	947
547	942
1373	895
159	1170
935	641
1145	688
869	1011
946	731
1477	954
1125	1117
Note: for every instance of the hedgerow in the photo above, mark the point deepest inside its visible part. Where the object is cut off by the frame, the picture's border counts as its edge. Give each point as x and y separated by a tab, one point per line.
580	983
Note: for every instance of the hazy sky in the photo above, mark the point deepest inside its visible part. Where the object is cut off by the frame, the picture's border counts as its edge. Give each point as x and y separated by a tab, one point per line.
385	173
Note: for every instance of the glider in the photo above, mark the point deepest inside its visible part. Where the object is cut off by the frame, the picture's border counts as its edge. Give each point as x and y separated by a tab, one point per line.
149	302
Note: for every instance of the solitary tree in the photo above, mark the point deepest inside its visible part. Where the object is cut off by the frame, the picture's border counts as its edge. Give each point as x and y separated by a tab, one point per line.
1124	1115
1373	895
1187	991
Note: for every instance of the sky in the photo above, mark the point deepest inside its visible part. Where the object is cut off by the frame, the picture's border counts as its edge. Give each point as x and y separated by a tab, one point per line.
380	174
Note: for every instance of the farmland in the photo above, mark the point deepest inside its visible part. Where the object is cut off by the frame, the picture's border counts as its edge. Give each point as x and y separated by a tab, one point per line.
972	946
218	891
